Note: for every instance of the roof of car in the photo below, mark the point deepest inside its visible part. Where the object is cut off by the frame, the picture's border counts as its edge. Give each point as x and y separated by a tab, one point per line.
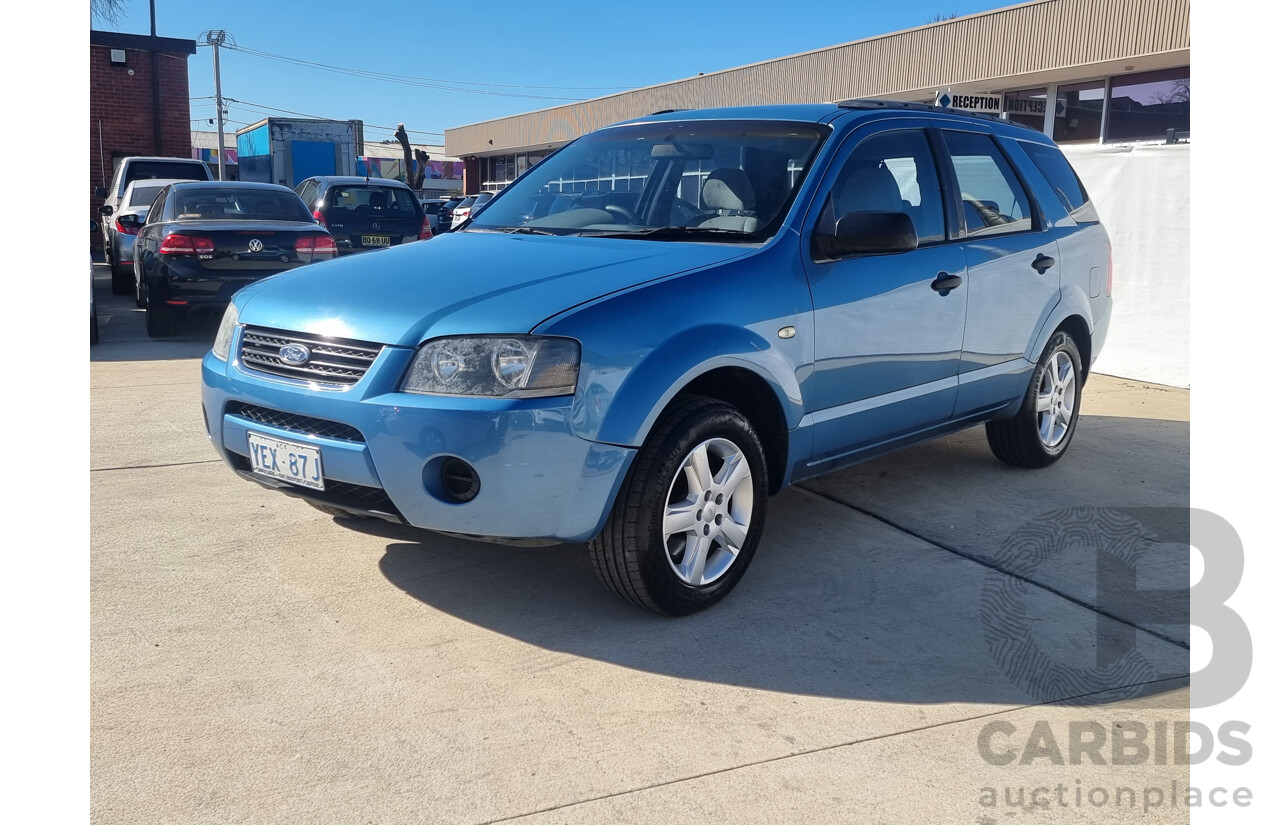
817	112
132	158
348	180
230	184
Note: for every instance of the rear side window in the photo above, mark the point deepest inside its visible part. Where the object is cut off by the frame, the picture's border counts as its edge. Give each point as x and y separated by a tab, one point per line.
1063	179
994	201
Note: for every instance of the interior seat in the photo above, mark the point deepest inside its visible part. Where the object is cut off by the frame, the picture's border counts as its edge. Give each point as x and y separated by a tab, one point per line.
729	193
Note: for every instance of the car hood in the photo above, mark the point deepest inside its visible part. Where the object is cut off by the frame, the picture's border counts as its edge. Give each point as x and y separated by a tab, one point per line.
465	283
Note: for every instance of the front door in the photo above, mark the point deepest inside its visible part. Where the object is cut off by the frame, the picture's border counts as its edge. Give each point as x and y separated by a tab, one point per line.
887	338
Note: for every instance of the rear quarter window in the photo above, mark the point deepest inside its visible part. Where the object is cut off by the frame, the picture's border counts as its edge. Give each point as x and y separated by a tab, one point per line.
1063	180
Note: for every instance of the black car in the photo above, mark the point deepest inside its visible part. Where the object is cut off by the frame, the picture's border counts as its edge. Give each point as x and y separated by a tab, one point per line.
203	241
365	213
445	216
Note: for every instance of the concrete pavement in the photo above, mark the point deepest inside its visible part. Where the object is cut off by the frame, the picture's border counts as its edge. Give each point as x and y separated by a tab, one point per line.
256	661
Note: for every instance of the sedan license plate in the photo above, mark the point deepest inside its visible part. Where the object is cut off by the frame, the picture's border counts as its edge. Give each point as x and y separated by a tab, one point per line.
375	240
295	463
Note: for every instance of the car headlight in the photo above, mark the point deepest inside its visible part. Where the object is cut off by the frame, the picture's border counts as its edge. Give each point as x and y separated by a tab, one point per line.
227	330
506	366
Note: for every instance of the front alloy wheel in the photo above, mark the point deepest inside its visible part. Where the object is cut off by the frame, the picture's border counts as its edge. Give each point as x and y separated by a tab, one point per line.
708	512
689	515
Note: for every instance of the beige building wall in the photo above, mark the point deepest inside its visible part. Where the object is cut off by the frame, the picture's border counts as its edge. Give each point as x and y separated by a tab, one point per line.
1032	44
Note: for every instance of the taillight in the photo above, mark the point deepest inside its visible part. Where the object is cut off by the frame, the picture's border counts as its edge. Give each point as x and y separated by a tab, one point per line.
177	244
315	248
320	219
1110	270
128	230
424	234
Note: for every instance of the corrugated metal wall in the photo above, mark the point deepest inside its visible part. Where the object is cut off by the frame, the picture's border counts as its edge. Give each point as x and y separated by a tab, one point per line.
1033	37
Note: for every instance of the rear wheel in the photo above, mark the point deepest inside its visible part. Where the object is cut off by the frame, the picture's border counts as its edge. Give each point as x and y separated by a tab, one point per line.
121	279
1042	429
688	518
160	321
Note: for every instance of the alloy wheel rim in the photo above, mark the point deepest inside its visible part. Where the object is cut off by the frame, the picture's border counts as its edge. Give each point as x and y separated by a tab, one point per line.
708	512
1056	400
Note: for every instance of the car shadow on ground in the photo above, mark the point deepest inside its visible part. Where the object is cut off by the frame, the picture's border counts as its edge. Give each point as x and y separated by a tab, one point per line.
840	603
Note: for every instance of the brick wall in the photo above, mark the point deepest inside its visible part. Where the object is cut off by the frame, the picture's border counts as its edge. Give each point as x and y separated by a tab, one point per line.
122	104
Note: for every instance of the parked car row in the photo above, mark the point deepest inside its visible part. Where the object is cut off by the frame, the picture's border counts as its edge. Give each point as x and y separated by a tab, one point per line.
184	243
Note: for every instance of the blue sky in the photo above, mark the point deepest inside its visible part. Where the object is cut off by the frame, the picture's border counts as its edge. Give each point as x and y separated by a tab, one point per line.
489	56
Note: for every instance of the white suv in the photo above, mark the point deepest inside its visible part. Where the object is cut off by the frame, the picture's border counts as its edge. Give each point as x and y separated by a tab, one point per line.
129	170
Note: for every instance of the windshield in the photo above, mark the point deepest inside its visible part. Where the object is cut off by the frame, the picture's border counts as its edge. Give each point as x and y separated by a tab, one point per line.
722	180
225	203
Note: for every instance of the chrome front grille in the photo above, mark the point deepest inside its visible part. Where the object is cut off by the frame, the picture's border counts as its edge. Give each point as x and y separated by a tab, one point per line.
333	360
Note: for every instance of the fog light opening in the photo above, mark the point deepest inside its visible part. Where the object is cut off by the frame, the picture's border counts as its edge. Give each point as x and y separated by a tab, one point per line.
459	480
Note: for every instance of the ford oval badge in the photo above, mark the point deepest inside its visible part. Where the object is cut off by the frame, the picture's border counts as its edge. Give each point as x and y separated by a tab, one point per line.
295	354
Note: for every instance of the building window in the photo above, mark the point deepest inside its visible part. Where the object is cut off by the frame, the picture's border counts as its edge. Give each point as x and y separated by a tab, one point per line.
1078	114
1027	107
1147	105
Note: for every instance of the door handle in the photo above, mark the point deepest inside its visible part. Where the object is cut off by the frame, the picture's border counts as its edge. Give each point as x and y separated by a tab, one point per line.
945	282
1042	263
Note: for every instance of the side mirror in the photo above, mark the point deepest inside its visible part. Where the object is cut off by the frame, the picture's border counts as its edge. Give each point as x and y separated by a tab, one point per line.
105	210
869	233
129	220
101	191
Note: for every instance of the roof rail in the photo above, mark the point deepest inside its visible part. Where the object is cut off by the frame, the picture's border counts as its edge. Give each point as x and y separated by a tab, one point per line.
867	103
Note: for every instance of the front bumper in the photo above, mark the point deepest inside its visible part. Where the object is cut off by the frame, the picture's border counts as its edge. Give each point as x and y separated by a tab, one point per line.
537	479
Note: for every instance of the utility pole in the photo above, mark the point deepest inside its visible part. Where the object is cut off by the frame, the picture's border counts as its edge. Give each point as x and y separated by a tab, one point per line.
216	38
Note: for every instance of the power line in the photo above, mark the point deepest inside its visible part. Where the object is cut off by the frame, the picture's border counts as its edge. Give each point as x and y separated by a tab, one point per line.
321	117
431	83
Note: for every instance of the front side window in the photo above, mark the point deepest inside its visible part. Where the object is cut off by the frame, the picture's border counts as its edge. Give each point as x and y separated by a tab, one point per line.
890	172
677	180
994	201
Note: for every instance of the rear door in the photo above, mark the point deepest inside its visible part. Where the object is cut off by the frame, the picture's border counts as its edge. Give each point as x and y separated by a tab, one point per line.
1012	260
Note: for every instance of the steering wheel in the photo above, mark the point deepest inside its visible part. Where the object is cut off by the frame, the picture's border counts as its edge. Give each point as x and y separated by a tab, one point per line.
620	211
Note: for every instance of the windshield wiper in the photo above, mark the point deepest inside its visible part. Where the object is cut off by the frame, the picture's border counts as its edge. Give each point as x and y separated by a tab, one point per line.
663	233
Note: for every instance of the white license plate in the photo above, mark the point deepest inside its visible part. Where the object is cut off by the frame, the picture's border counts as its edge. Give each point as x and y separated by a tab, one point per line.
295	463
375	240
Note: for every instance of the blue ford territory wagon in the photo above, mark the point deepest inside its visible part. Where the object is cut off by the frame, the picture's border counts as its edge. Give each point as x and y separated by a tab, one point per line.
670	319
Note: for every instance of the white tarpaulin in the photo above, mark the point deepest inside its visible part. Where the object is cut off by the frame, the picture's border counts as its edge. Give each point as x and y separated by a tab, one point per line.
1143	195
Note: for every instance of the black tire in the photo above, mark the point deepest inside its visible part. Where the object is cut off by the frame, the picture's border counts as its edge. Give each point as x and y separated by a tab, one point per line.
93	325
160	322
139	293
1019	440
631	555
121	280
